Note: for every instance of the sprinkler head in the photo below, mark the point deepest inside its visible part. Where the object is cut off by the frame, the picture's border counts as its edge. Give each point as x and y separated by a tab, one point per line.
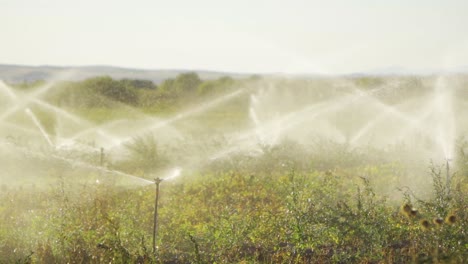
157	181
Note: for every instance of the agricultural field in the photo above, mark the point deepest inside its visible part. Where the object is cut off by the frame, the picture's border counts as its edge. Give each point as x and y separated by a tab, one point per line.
259	169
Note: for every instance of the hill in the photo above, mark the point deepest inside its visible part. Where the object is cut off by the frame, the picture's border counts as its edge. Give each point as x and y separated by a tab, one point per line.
24	73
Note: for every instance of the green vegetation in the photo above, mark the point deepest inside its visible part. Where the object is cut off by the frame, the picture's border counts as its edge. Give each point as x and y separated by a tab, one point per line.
104	92
317	202
236	210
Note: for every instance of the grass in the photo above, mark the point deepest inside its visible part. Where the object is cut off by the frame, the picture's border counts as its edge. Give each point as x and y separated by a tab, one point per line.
235	214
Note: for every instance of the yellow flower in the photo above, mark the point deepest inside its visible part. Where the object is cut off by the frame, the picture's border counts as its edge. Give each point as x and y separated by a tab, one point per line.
451	219
406	209
425	224
438	221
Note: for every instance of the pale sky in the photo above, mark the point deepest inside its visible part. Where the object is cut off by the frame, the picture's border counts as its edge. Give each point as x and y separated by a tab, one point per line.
290	36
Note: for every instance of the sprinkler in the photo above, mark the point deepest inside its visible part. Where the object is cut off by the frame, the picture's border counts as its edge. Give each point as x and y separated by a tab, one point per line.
101	160
157	181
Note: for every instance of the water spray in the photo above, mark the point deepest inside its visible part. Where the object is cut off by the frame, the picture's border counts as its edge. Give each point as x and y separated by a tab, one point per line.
199	109
447	165
8	91
80	164
39	126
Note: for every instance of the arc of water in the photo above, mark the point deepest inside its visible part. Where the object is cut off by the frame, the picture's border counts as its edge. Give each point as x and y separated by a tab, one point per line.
382	116
12	95
445	117
199	109
102	129
17	127
182	115
39	126
78	163
32	97
291	120
93	129
395	112
174	173
74	118
253	116
328	106
102	169
34	132
77	120
10	111
21	104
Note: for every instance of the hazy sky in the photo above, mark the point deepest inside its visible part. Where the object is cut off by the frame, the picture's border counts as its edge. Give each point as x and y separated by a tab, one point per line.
299	36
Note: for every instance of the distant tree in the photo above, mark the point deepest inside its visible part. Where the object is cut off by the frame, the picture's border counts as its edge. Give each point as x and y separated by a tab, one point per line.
28	84
254	77
226	80
186	83
145	154
206	87
368	82
112	89
214	86
139	84
167	86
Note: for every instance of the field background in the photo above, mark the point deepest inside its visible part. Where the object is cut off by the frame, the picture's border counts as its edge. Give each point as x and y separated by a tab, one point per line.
248	192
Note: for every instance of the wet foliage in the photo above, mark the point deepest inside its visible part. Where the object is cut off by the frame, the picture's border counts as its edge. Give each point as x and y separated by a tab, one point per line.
245	195
253	210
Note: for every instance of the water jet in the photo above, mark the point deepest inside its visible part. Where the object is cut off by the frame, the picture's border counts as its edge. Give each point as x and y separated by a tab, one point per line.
39	126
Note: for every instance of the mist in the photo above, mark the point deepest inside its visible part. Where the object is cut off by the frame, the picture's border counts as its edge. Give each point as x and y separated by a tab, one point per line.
101	138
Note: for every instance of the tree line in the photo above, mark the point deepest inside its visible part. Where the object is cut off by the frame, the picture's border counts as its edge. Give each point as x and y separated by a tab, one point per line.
104	91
